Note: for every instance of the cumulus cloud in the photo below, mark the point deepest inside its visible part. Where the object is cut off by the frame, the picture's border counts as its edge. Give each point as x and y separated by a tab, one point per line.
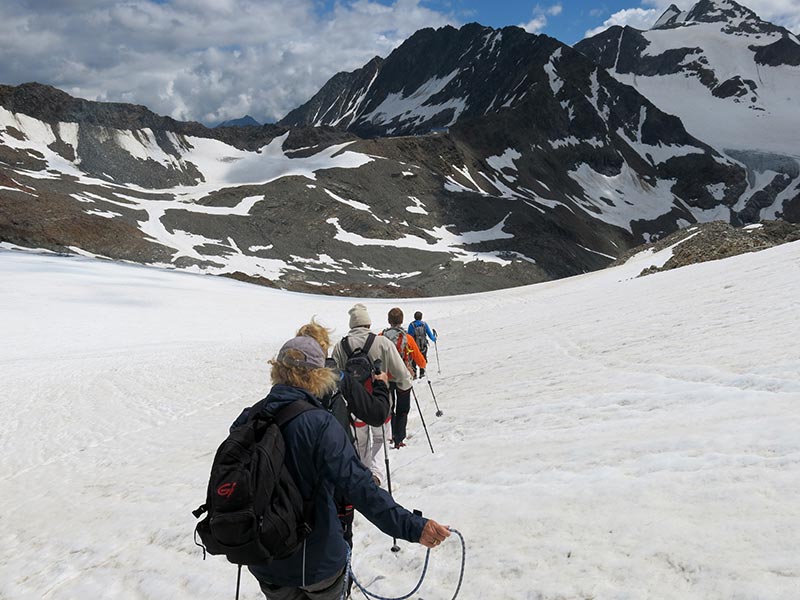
205	60
540	14
639	18
535	25
781	12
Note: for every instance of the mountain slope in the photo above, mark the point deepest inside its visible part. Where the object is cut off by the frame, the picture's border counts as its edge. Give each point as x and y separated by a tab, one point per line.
733	79
543	125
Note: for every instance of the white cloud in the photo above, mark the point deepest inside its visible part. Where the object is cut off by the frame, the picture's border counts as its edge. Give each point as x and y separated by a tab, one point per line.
206	60
535	25
540	14
554	10
639	18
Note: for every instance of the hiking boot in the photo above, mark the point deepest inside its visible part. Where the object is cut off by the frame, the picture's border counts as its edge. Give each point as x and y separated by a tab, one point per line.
400	445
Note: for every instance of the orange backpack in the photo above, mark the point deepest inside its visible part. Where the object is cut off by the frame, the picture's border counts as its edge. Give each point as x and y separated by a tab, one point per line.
400	339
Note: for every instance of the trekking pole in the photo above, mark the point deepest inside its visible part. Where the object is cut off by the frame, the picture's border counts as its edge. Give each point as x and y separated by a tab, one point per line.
425	427
439	413
395	547
238	581
436	347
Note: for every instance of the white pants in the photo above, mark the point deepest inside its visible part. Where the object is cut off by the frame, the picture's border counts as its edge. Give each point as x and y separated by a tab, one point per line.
369	441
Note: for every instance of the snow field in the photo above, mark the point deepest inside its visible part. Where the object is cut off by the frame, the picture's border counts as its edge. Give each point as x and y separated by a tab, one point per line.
602	437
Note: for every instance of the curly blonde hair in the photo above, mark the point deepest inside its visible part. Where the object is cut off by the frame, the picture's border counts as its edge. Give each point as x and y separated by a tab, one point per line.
317	381
318	332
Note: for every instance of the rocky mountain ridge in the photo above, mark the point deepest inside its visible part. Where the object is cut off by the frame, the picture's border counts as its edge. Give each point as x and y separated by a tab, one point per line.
467	160
714	241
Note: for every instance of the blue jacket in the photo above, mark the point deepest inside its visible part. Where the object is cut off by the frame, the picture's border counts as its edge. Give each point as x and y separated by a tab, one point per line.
417	323
321	458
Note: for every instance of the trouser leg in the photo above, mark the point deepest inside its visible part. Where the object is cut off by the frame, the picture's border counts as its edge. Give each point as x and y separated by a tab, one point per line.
328	589
400	419
375	463
276	592
393	399
362	444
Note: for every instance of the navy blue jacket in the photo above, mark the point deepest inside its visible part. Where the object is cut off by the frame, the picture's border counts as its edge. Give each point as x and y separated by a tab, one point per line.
321	458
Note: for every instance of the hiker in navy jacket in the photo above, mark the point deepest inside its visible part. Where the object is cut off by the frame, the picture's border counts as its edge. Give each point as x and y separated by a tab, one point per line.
420	331
320	458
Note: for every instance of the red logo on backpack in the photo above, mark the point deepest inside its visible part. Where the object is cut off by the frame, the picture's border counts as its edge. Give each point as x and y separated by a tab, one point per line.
226	489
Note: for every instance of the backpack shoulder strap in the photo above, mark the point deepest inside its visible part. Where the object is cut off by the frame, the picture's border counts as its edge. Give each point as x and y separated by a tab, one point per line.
288	413
402	343
346	347
368	343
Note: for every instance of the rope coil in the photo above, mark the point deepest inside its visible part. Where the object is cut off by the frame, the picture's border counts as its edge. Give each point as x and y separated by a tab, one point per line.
369	594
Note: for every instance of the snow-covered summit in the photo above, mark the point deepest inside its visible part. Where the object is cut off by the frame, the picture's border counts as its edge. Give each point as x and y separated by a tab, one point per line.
728	12
732	78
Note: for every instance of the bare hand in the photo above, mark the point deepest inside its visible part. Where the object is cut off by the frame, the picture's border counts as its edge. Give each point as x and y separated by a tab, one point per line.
433	534
382	376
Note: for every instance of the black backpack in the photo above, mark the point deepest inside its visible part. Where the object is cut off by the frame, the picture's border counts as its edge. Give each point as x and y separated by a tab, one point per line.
359	364
255	511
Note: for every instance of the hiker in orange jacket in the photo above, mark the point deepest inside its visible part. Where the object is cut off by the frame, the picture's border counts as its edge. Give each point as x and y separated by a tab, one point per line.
411	355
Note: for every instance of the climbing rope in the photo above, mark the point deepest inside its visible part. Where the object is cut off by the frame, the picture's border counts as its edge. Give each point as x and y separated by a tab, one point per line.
366	592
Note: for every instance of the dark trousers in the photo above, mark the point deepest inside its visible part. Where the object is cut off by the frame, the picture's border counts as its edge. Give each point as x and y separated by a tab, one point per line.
329	589
401	404
424	352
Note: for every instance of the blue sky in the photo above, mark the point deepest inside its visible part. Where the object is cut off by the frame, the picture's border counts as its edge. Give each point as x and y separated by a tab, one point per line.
212	60
567	20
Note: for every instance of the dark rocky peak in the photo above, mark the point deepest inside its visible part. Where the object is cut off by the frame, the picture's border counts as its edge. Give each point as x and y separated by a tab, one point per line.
338	101
720	11
434	79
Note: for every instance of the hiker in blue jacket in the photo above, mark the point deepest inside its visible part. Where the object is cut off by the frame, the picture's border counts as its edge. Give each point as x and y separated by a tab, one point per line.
420	331
321	459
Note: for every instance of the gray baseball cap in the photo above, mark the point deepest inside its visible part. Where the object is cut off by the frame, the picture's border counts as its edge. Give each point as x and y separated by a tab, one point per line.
313	356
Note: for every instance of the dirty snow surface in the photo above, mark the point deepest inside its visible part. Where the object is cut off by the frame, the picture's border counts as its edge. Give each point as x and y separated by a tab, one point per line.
603	436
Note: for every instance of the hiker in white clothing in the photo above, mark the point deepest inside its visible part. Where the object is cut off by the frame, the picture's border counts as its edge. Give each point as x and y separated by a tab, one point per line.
369	439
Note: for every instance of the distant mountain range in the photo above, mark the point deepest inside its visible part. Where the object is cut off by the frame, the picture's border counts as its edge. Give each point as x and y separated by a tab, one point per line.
245	121
468	159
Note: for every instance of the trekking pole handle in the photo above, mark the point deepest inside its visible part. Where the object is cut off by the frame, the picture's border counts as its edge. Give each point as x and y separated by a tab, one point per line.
378	364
